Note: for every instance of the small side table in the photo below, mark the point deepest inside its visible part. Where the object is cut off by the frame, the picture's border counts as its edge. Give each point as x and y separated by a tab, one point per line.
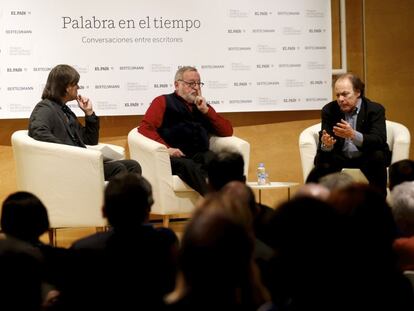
271	185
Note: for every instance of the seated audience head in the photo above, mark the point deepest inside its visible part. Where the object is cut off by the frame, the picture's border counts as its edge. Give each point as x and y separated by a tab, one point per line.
128	200
369	221
402	203
216	255
243	201
336	180
304	222
400	171
306	234
24	216
312	190
225	167
371	261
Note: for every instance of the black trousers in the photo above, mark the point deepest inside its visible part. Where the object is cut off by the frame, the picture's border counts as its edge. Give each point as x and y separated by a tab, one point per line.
113	168
372	163
193	170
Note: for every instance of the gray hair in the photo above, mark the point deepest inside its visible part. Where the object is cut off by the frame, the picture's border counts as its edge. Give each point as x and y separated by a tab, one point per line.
180	72
336	181
402	202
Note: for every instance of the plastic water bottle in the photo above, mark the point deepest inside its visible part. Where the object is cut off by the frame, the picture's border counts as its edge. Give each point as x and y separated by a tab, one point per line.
261	174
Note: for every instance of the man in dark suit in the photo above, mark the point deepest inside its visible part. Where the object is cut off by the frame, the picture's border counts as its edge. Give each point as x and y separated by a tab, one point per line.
131	266
353	135
53	121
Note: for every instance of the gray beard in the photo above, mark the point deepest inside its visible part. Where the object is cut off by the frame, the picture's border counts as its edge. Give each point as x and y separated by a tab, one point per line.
190	98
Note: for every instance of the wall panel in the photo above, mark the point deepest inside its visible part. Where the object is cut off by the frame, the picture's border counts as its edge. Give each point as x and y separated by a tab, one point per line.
274	135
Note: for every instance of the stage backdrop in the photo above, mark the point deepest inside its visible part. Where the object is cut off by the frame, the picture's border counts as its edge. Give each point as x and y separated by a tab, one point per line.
253	55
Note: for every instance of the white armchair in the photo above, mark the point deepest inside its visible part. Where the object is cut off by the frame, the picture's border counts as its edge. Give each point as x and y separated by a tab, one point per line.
68	180
171	195
398	139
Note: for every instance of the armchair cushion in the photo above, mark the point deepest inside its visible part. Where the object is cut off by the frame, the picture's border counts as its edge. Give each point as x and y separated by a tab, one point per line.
171	194
68	180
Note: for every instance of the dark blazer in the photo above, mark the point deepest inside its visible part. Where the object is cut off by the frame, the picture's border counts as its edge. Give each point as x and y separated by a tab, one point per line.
49	123
370	122
141	256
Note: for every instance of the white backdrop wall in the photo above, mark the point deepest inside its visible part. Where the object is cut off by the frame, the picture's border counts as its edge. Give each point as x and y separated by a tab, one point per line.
253	55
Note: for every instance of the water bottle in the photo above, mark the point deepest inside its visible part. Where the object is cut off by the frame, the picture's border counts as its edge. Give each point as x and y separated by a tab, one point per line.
261	174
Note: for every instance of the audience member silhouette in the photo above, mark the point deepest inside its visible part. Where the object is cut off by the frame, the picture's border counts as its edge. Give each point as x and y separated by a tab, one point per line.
307	270
402	203
132	265
244	199
313	190
24	217
336	180
400	171
242	204
228	166
215	261
225	166
21	276
372	274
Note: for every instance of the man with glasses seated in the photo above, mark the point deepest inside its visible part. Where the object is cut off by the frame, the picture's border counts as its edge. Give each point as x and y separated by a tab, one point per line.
183	121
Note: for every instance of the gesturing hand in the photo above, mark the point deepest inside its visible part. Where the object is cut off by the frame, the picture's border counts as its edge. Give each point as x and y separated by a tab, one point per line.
327	140
344	130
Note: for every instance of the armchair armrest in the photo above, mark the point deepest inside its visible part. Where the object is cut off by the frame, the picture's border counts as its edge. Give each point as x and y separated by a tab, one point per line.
69	180
153	158
148	153
109	151
399	139
308	145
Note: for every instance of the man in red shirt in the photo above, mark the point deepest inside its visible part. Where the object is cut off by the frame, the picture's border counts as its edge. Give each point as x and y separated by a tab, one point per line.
183	121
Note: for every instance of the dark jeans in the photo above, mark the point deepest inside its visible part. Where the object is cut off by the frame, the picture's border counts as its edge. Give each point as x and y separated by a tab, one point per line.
373	164
113	168
193	170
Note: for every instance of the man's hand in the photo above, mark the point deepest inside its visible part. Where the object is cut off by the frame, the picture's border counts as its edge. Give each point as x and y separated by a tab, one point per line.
344	130
85	104
201	104
327	140
175	152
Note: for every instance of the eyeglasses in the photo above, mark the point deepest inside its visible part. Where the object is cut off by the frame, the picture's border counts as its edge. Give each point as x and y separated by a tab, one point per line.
192	84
